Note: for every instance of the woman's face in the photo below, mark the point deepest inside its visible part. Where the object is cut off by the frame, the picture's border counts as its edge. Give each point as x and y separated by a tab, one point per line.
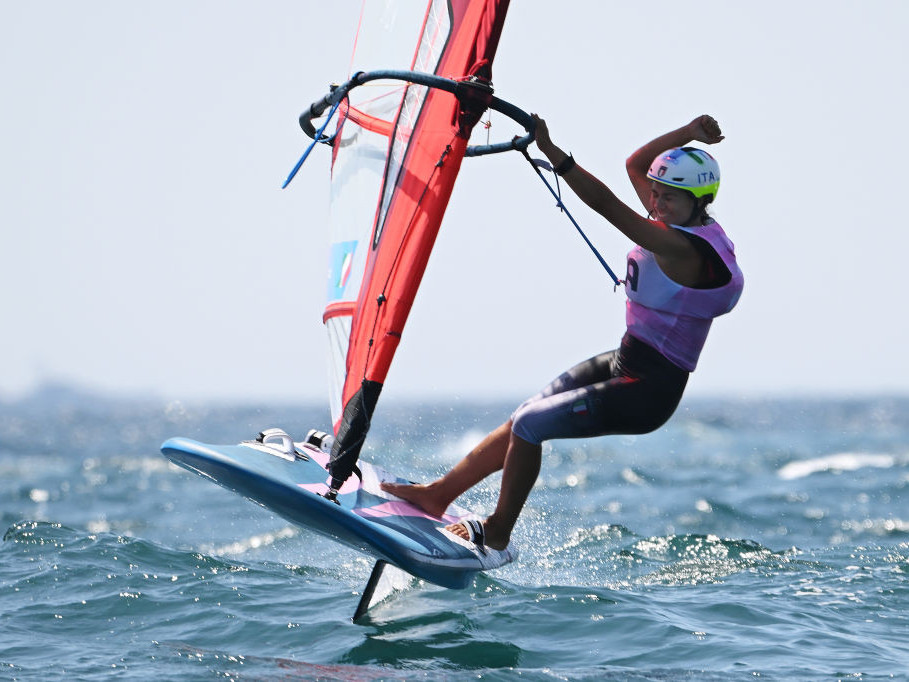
671	205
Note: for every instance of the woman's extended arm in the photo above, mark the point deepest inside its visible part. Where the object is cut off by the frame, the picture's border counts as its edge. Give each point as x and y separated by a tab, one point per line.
653	236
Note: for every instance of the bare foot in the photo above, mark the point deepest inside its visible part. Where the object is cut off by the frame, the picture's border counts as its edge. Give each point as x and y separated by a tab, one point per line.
492	538
416	493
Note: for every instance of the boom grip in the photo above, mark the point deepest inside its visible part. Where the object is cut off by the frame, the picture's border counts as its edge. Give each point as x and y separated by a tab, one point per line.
519	143
315	110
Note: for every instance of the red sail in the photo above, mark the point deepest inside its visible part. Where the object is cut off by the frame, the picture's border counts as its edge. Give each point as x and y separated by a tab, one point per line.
426	145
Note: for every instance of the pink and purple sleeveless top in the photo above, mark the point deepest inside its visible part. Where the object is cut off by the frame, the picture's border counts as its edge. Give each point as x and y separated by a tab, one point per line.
672	318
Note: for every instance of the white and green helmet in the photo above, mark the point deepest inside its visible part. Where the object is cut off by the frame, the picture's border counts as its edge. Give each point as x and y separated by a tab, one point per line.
687	168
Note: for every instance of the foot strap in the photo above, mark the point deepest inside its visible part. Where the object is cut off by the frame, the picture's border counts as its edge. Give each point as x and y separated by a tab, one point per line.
476	533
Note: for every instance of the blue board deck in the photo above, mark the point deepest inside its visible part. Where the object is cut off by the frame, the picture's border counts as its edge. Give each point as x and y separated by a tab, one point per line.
287	479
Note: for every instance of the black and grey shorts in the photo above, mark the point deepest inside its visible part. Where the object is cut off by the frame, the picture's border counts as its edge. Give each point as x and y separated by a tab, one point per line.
633	389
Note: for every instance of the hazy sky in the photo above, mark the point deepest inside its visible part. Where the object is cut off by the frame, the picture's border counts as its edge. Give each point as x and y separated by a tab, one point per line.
147	246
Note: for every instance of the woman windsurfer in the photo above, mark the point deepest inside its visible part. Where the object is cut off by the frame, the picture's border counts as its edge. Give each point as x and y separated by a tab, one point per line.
681	274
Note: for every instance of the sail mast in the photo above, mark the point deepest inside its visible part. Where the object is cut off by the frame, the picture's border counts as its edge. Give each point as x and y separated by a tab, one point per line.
421	134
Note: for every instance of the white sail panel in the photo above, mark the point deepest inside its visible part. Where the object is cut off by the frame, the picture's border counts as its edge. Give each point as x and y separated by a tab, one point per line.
338	341
392	35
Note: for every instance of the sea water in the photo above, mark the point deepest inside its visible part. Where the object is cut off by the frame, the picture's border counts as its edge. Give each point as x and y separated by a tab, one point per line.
747	539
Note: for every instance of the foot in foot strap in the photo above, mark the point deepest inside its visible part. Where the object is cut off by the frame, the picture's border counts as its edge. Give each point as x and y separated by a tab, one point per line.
476	533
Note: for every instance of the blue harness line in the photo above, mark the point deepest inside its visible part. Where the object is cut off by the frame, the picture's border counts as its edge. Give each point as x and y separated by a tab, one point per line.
536	164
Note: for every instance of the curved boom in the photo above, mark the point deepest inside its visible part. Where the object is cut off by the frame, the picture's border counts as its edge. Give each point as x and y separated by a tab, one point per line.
464	90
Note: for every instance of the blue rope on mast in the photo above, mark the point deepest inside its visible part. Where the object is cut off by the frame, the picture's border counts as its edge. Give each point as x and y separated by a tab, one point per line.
318	138
559	204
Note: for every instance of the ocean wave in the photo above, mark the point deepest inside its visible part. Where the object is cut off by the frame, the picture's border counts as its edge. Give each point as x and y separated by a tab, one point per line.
250	543
75	550
615	556
843	461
